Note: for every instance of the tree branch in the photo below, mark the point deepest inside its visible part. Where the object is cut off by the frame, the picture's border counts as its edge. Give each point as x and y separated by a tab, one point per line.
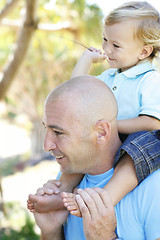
48	27
8	7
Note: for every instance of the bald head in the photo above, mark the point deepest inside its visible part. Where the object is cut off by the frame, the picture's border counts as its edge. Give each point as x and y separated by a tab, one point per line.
89	96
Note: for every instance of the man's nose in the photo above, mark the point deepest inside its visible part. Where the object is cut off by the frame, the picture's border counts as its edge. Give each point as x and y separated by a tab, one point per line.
49	142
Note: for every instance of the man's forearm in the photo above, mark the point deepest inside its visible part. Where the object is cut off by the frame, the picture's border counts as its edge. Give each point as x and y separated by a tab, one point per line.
59	235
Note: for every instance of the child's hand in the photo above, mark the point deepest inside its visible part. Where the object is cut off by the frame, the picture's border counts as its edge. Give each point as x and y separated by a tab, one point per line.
96	54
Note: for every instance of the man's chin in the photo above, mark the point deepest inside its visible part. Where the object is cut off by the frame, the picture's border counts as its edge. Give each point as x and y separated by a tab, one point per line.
67	171
64	170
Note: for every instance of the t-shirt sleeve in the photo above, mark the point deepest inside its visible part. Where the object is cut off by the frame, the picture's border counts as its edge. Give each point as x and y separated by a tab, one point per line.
149	95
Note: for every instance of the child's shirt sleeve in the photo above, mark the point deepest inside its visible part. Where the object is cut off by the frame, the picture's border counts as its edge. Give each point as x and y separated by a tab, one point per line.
144	149
149	94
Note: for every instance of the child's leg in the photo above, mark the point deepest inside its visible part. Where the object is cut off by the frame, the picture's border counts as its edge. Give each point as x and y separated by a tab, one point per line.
124	179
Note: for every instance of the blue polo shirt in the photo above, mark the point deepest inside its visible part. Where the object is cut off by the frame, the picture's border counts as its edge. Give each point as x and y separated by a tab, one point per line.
137	90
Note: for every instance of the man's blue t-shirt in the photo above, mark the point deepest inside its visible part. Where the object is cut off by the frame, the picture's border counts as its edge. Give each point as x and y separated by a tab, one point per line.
138	213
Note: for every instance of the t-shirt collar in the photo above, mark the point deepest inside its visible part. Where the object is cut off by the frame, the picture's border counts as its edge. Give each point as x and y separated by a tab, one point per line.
100	177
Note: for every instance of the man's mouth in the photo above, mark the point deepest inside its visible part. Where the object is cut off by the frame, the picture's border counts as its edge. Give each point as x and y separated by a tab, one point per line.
59	157
54	154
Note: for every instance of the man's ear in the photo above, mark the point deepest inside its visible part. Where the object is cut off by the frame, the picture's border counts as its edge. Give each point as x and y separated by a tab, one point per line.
103	131
146	52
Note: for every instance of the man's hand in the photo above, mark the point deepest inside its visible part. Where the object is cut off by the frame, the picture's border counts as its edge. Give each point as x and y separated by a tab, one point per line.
49	211
99	220
50	224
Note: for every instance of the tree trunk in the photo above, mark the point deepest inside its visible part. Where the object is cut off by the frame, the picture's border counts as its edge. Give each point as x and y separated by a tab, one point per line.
16	59
37	138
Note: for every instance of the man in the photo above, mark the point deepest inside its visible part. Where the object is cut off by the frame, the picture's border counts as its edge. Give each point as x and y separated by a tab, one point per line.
80	117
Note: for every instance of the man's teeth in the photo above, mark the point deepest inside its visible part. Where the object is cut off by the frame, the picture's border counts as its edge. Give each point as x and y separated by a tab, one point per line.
59	157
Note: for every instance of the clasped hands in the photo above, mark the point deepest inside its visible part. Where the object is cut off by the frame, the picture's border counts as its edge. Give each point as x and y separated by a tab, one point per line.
93	204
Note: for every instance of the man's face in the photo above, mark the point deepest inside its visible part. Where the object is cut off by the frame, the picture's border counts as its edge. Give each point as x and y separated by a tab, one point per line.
68	139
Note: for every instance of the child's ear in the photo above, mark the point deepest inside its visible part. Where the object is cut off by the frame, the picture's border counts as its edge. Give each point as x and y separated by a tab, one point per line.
103	131
146	52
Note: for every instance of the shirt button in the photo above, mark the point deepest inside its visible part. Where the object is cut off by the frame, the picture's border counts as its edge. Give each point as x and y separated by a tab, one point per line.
114	88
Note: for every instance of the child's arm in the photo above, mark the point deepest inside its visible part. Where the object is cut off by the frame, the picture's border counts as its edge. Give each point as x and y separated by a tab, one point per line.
89	56
141	123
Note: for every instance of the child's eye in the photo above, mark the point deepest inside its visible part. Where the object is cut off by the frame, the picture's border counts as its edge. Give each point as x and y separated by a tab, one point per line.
104	39
116	46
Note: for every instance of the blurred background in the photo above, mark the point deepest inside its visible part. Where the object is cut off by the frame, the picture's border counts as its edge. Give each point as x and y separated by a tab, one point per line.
39	45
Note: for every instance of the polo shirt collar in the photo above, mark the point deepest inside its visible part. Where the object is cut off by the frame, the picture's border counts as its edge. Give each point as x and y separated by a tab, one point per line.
134	71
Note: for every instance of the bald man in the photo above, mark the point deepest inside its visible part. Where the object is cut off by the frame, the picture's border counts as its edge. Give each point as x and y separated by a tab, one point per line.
81	132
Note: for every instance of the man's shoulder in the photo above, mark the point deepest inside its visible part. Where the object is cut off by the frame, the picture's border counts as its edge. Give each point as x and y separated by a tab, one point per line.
149	185
153	178
147	193
140	210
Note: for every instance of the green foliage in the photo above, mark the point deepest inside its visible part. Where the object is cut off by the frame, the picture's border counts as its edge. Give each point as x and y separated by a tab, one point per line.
17	225
26	233
12	164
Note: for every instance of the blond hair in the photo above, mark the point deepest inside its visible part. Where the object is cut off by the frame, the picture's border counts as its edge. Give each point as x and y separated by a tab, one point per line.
148	28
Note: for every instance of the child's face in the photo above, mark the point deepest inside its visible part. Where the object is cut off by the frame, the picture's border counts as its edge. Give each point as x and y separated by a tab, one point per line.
120	46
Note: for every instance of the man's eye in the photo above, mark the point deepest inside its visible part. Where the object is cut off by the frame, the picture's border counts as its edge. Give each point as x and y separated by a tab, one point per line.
58	133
